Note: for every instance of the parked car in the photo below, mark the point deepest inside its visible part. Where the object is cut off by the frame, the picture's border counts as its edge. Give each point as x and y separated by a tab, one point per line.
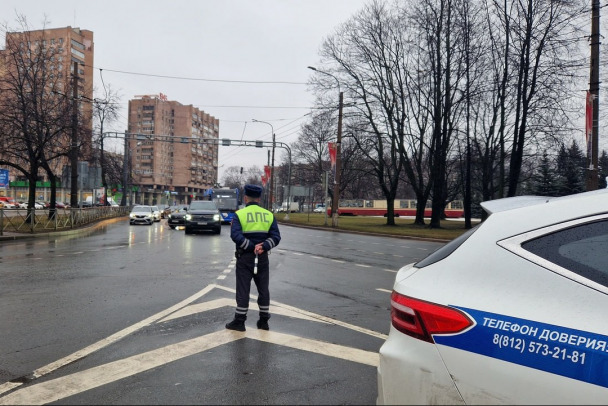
511	312
141	214
177	217
9	202
156	213
203	215
37	205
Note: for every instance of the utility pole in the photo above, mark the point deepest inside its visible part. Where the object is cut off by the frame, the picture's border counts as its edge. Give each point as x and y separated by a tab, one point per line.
267	195
125	171
271	180
74	141
594	89
336	199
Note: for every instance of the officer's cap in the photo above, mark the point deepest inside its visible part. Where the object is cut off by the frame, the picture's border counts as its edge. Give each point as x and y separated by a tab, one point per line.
253	190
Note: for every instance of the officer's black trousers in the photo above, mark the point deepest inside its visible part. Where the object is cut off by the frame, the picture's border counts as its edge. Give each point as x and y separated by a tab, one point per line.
244	274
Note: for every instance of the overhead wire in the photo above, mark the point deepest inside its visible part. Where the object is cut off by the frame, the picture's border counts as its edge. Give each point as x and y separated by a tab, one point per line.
201	79
289	131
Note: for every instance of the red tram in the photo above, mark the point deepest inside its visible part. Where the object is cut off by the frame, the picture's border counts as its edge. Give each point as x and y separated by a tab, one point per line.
403	207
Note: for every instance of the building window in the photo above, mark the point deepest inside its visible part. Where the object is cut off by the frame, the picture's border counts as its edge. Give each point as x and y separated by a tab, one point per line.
77	44
77	53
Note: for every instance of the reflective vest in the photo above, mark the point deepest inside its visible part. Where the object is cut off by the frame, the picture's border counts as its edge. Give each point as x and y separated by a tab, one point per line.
255	219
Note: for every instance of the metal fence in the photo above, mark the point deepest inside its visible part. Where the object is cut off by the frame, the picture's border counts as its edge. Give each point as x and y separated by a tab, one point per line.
44	220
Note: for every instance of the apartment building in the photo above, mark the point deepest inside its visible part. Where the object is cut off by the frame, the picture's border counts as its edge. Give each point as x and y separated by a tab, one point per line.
66	51
71	46
172	149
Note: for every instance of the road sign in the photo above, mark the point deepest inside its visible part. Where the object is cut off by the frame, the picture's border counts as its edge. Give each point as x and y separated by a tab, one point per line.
3	178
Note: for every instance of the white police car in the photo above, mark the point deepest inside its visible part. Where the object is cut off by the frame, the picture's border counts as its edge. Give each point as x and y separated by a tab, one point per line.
515	311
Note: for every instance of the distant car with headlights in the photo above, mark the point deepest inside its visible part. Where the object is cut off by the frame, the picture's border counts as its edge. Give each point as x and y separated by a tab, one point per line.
203	215
141	214
156	213
511	312
177	217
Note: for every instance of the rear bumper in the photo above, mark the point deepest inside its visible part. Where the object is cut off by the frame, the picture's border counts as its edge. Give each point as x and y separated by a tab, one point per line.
412	372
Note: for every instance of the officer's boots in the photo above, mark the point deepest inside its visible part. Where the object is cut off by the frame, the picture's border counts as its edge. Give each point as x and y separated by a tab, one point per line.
263	321
238	323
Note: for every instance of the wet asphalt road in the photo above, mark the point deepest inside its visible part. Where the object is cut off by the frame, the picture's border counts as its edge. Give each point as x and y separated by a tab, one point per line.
135	315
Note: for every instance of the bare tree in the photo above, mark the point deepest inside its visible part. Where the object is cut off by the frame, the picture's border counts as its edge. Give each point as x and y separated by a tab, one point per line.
105	112
237	177
367	55
34	112
233	177
540	57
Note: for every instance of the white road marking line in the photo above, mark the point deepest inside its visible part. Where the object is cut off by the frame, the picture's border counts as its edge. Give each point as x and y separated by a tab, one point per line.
319	347
224	302
5	387
116	336
390	270
315	257
384	290
363	265
398	256
338	261
221	277
297	253
69	385
227	270
315	316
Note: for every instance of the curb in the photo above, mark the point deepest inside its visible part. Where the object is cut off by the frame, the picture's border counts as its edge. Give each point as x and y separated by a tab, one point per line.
74	231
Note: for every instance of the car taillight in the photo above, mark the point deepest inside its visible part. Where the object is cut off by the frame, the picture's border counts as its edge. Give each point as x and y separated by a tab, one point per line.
421	319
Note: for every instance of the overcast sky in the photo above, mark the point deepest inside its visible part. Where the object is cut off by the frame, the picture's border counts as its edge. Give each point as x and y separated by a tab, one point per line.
214	45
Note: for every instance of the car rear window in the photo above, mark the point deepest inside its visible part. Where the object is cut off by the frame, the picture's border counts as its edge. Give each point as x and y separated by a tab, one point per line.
446	250
581	249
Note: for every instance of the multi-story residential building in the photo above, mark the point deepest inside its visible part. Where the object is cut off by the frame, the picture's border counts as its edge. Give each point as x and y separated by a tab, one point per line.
68	49
172	148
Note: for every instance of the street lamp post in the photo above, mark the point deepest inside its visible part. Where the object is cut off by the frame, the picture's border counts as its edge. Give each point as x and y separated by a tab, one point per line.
270	191
335	200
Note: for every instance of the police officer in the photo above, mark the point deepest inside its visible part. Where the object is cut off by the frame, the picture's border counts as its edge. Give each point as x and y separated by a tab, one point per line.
255	232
